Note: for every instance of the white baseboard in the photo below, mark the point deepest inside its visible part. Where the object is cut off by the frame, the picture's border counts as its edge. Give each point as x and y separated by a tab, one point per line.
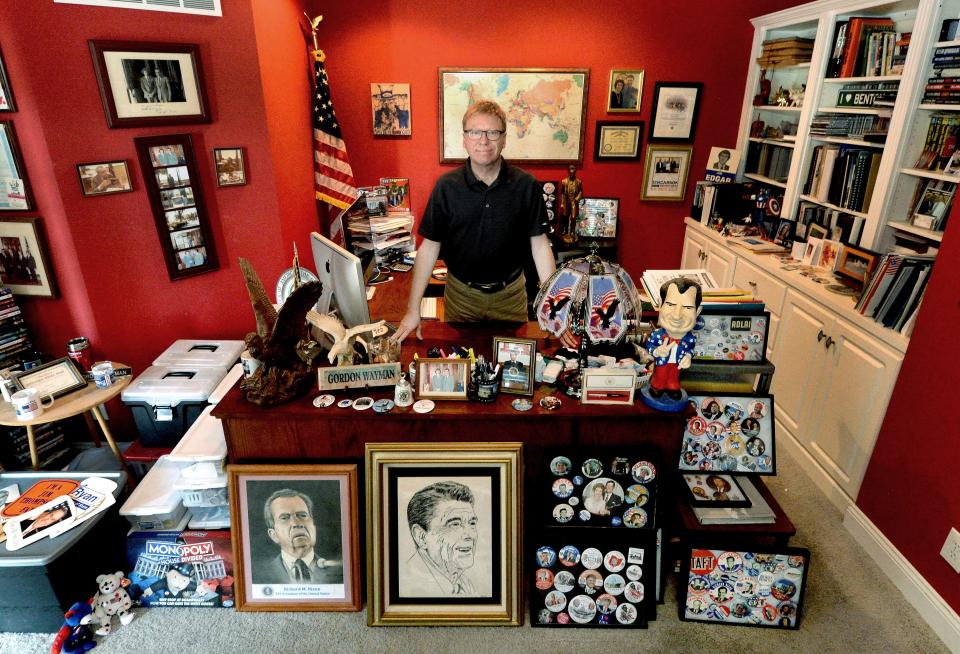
837	496
918	592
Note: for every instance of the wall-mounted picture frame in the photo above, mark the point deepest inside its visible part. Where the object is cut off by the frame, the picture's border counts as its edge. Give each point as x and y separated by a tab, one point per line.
730	433
56	378
598	218
676	107
626	90
146	84
548	131
7	103
618	140
230	166
24	258
390	104
15	191
442	379
444	534
742	597
283	513
104	178
665	172
857	264
517	359
172	179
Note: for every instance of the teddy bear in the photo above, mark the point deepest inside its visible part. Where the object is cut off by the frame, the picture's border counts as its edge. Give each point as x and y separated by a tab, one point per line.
111	599
75	637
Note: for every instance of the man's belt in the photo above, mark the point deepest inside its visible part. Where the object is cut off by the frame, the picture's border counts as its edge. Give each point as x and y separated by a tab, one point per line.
493	287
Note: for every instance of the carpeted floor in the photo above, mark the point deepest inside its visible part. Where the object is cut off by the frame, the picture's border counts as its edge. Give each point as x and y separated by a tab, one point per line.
850	606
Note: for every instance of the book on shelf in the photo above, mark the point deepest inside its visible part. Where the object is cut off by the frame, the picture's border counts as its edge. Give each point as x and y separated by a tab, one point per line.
853	46
757	245
894	290
940	141
842	175
759	512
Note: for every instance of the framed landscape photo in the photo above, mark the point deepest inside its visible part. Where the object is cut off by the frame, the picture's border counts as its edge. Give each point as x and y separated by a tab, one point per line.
626	91
443	532
7	102
230	167
23	257
665	172
618	140
390	104
676	106
517	359
55	378
146	84
856	264
104	178
15	192
296	543
546	111
442	379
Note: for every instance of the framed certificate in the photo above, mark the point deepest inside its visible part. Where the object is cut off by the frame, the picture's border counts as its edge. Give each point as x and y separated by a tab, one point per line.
55	378
675	109
618	140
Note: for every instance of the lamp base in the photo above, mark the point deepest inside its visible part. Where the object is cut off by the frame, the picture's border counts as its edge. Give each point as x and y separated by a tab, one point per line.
664	402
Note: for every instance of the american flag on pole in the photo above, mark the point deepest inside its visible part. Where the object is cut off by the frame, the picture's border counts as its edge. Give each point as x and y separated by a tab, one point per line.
333	176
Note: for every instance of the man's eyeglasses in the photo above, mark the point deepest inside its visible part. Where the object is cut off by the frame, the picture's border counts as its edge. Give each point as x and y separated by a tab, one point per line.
475	134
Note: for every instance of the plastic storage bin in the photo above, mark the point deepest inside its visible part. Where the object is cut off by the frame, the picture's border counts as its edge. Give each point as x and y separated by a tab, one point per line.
201	486
155	504
203	443
211	517
166	401
201	354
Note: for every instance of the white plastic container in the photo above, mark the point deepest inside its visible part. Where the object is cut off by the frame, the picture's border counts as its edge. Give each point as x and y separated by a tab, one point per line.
203	443
211	517
204	354
201	486
155	504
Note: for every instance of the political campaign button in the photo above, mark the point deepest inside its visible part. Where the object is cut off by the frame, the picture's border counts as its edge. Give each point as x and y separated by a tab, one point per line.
383	406
698	584
544	578
563	488
635	555
702	562
550	403
634	572
614	584
745	586
573	501
644	472
783	589
584	515
637	495
697	604
626	614
345	404
555	601
582	609
521	404
562	513
578	480
546	557
788	610
607	604
635	518
716	431
545	616
564	581
323	401
721	592
423	406
362	403
620	466
696	426
719	612
563	618
765	578
616	521
604	618
560	466
592	558
614	561
769	612
569	555
633	591
741	610
795	561
592	468
590	581
729	562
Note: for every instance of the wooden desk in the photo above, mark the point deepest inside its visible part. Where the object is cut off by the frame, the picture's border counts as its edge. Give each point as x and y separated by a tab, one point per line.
80	401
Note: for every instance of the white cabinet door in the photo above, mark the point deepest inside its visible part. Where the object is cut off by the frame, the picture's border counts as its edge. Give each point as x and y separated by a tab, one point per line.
855	387
694	251
720	264
800	358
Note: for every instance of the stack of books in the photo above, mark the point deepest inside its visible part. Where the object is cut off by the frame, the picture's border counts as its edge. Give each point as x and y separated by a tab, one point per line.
843	176
940	142
730	298
893	293
758	513
788	51
769	160
387	235
14	341
867	46
51	445
848	125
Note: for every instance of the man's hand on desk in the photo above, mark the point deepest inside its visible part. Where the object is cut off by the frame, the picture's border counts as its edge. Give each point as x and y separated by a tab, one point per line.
410	323
569	340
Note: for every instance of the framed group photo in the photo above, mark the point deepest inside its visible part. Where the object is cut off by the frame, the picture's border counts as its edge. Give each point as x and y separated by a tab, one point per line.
626	91
443	531
24	264
104	178
442	379
676	106
144	84
618	140
517	359
665	172
546	111
296	537
230	167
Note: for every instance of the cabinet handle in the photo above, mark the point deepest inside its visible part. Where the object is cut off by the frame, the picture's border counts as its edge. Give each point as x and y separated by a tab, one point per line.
820	336
830	342
752	284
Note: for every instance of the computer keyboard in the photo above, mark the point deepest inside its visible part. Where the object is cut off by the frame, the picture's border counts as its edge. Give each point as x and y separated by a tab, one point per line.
428	308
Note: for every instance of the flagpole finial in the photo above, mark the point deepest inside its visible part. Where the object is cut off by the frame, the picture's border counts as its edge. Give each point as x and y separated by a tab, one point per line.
314	22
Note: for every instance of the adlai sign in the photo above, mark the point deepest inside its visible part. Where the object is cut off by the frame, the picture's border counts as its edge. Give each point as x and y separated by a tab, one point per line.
377	374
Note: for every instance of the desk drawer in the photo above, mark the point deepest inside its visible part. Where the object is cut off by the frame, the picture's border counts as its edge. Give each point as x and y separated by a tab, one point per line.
763	286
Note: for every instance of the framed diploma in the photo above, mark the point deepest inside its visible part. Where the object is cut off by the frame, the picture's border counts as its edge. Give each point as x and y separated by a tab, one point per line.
618	140
55	378
675	109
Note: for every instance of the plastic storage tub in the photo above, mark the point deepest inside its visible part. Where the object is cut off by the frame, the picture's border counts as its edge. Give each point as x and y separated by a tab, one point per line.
203	443
155	504
211	517
165	401
201	486
201	354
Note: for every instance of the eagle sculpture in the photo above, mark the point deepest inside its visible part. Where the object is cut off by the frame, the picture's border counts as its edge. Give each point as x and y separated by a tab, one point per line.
281	343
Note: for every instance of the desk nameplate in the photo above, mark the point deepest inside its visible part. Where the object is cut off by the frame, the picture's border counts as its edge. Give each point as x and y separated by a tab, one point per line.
377	374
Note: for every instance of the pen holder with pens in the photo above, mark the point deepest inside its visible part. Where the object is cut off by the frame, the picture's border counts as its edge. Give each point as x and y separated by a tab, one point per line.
484	388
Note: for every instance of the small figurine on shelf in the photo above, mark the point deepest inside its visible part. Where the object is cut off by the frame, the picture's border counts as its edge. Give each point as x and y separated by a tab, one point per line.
571	192
111	600
672	344
75	636
763	98
756	129
796	95
782	98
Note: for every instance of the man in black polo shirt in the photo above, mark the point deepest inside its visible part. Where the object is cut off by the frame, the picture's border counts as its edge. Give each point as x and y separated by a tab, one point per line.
483	219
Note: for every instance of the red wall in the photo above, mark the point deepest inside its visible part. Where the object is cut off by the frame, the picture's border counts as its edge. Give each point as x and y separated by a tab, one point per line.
910	489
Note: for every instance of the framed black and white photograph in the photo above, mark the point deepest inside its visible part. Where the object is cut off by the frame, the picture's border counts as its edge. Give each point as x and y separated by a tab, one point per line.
934	205
7	102
55	378
145	84
626	91
230	167
756	587
732	434
618	140
104	178
676	106
665	172
296	537
443	531
517	360
15	192
24	264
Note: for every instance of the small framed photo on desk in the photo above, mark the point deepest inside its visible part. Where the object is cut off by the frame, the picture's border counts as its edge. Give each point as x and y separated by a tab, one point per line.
517	357
442	379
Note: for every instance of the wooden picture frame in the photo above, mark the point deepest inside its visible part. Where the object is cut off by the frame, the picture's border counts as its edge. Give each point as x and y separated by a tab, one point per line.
618	140
540	142
173	184
32	274
665	172
390	107
857	264
56	378
517	358
7	103
625	91
676	107
474	490
144	84
264	580
104	178
15	191
230	167
443	379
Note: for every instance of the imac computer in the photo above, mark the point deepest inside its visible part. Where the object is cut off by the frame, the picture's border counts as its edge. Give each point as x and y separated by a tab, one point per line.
342	276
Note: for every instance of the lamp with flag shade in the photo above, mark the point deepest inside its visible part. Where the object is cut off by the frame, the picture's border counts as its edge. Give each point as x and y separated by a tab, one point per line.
591	298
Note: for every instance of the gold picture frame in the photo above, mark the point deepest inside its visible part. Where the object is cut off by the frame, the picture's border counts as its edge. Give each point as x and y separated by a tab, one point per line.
442	379
625	91
665	172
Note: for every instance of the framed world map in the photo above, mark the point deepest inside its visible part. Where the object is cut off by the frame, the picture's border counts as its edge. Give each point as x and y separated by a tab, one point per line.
546	111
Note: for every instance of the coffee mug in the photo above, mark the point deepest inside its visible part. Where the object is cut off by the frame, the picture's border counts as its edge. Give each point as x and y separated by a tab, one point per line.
29	404
249	363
